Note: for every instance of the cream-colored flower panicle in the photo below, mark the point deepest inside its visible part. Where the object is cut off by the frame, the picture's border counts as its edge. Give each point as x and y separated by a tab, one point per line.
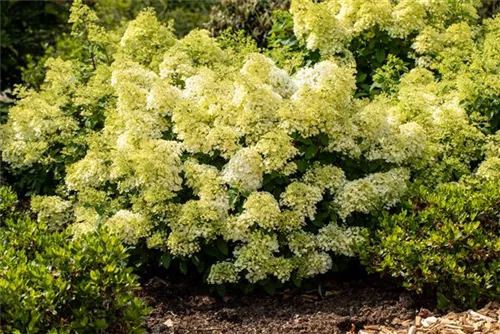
244	170
52	210
372	192
129	226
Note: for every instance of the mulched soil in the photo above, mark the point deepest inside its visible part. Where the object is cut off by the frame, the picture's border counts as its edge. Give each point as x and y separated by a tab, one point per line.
346	306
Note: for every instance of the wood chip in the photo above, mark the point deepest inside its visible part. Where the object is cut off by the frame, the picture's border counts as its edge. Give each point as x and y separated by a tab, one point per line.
483	321
372	327
169	323
479	315
427	322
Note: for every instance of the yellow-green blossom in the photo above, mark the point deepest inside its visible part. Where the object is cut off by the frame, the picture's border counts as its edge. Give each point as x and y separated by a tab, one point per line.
129	226
372	192
244	170
262	208
301	198
52	211
223	272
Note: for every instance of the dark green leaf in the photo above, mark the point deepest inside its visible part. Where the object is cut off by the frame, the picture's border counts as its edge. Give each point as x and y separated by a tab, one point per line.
165	260
380	55
183	266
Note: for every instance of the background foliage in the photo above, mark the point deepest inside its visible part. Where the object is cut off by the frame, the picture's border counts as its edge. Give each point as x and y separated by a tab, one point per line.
27	29
254	17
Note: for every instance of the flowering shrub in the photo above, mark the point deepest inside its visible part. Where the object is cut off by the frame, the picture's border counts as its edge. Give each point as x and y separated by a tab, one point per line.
185	144
442	36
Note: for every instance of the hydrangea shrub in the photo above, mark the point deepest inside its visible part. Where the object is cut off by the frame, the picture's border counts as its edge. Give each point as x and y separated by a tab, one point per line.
185	144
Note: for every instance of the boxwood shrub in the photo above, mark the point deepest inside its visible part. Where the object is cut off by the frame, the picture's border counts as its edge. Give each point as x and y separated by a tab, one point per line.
445	241
50	283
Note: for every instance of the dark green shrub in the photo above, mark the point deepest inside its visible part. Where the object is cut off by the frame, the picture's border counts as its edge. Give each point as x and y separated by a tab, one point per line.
187	15
51	284
253	16
447	241
27	27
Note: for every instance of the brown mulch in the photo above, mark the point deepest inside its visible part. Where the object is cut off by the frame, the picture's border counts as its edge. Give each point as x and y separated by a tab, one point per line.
344	307
365	306
486	320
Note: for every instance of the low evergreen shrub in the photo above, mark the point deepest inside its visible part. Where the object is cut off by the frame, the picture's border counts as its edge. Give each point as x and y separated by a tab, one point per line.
446	241
51	283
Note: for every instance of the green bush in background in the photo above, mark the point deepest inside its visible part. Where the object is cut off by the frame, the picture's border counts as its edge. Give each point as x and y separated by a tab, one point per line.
32	31
186	15
255	17
27	29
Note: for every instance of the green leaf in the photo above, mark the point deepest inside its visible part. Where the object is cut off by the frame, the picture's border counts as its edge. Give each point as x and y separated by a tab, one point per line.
222	246
310	151
301	165
380	55
211	250
221	290
270	288
93	275
324	139
361	77
442	301
201	267
247	288
318	223
296	281
183	266
234	195
165	260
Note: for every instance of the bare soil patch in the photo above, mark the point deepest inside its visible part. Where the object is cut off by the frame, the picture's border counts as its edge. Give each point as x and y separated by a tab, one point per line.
348	306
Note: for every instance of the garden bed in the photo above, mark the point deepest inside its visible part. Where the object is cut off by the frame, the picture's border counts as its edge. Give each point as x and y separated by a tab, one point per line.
345	305
365	306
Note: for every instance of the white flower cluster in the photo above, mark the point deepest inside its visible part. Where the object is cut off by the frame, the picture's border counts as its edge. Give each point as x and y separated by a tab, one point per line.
244	170
489	169
330	25
128	226
52	210
372	192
